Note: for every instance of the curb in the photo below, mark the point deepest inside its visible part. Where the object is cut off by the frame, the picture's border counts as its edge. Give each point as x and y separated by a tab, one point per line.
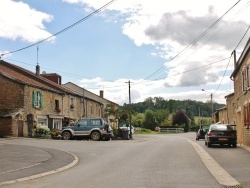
75	161
222	176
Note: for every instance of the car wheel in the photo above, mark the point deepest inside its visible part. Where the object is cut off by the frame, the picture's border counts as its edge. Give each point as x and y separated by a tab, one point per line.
95	135
209	144
205	143
66	135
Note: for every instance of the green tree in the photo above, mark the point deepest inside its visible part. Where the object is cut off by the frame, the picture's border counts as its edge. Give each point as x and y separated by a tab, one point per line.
149	120
160	115
138	119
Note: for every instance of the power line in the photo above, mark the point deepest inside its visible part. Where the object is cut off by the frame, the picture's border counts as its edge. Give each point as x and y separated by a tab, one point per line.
195	41
242	38
122	85
63	30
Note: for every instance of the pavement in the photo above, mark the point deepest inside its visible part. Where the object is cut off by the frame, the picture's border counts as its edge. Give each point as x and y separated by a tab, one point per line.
20	163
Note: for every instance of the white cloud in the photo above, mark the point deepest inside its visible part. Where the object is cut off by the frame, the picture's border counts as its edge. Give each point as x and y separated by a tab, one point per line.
20	21
169	28
175	26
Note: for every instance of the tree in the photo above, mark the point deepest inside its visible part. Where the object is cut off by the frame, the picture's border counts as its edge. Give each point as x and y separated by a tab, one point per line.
121	114
149	120
180	118
137	120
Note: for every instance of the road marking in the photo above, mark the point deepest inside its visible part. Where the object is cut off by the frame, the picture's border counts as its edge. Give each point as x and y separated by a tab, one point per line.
222	176
21	168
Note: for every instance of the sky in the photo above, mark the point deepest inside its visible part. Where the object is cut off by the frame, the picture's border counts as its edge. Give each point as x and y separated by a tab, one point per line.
172	49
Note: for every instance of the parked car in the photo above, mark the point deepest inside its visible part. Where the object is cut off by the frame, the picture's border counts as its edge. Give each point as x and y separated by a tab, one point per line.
96	128
221	134
200	134
125	126
157	129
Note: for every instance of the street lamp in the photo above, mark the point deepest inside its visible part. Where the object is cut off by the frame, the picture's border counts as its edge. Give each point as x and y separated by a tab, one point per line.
212	108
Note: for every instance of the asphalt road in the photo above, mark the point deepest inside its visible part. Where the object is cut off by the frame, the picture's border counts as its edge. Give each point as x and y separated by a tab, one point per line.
175	160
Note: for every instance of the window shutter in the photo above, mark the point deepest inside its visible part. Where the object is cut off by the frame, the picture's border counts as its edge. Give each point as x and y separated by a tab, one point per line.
34	99
41	100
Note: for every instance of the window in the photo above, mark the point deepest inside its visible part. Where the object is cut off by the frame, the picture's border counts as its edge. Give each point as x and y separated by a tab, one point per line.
91	109
72	103
41	122
56	104
247	114
83	122
94	122
245	79
57	124
37	99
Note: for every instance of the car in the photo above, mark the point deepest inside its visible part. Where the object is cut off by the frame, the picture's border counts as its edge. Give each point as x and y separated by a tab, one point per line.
125	126
96	128
200	134
221	134
157	129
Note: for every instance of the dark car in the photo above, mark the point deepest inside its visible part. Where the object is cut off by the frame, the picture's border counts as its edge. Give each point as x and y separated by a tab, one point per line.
221	134
200	134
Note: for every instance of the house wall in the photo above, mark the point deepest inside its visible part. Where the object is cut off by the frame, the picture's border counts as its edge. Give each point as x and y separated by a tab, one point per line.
231	109
241	98
93	109
223	116
11	94
6	127
49	108
97	100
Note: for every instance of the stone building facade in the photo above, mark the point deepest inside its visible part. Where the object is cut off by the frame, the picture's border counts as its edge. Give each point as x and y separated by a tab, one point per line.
239	103
29	100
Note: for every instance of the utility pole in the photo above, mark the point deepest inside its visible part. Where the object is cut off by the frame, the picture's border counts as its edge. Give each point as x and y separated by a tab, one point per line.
212	106
130	126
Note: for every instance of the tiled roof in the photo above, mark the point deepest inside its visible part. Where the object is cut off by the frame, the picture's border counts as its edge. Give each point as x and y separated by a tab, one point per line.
27	77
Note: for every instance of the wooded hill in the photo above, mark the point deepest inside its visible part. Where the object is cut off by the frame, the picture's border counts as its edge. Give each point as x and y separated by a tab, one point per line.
196	108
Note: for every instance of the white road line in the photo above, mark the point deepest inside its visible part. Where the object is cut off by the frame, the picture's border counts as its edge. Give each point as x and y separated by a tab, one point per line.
222	176
21	168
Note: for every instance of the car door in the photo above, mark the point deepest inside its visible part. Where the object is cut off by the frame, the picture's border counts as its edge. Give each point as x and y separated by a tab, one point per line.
94	124
81	127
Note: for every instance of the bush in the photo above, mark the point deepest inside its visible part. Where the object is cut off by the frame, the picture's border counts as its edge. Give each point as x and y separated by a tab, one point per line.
144	131
42	130
54	132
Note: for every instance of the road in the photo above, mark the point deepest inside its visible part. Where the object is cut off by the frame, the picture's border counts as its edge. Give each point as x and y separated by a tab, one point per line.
157	161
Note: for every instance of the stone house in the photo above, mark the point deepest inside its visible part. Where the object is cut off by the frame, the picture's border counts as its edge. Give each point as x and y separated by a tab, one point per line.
91	108
239	102
28	100
220	115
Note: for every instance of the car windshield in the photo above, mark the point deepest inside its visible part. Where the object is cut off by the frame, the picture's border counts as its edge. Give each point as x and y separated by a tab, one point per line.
221	128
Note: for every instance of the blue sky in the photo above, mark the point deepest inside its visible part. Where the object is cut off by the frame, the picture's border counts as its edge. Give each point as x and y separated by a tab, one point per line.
137	40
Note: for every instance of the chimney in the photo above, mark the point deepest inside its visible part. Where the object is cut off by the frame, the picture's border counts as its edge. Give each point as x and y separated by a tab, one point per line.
235	62
101	93
37	70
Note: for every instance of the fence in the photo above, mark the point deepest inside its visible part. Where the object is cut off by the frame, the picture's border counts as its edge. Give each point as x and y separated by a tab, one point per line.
172	130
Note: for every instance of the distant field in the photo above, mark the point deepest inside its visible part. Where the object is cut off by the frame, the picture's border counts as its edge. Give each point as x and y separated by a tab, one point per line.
204	120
